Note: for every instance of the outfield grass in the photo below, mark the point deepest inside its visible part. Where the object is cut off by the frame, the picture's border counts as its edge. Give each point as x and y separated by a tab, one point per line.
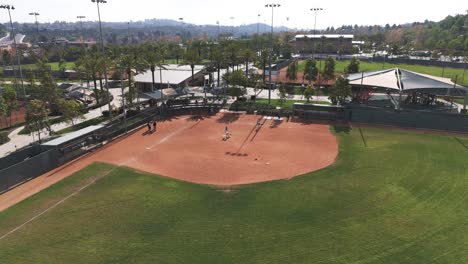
288	104
392	197
340	65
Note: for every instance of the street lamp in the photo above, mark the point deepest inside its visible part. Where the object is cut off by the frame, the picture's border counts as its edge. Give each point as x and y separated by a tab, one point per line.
8	7
271	49
103	53
35	14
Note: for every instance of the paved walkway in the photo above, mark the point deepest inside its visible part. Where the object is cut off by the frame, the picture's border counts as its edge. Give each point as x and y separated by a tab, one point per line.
18	141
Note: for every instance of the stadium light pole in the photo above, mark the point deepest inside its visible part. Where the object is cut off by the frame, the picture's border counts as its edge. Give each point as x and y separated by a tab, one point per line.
103	53
217	23
272	6
81	25
258	32
315	10
9	7
35	14
232	29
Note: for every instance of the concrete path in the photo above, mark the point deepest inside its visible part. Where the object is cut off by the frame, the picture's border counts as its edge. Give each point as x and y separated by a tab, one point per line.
18	141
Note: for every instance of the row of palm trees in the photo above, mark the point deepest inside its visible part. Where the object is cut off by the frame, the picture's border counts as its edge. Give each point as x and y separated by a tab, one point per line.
135	59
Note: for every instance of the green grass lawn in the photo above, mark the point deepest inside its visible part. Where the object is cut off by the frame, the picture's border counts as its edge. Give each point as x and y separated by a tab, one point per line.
377	66
288	104
54	66
391	197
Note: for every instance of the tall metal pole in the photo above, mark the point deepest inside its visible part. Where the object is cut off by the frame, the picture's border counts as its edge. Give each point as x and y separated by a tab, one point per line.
8	7
270	86
315	27
217	23
128	32
103	54
35	14
81	25
258	32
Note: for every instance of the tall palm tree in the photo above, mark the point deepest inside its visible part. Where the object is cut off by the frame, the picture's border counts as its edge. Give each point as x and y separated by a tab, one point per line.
91	64
217	60
153	58
133	63
191	58
247	56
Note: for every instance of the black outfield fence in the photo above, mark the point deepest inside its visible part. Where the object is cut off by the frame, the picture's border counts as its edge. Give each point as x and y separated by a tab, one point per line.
409	119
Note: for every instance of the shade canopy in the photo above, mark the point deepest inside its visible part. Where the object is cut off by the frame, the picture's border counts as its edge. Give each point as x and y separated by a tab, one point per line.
410	82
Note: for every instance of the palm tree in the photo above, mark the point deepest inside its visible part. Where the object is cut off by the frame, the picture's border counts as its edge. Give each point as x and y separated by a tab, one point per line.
191	58
247	55
154	57
217	60
132	62
90	64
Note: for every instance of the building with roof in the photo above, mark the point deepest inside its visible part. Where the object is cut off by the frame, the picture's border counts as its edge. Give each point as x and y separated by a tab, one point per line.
407	88
170	76
323	44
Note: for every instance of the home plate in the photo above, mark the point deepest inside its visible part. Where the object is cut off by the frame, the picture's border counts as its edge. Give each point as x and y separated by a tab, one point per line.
148	148
268	163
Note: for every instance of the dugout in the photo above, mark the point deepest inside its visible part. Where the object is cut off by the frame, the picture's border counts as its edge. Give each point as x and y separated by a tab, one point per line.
319	111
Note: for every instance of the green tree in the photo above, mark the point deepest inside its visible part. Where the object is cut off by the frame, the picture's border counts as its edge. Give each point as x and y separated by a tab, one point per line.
247	56
154	57
309	92
353	66
11	103
37	117
310	70
329	69
71	110
340	91
192	58
47	90
291	72
282	93
3	109
90	64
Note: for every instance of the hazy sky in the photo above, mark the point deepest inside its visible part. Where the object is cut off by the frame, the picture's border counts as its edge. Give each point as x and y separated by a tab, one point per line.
335	13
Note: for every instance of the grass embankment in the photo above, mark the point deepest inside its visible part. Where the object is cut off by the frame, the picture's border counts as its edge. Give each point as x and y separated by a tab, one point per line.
391	197
377	66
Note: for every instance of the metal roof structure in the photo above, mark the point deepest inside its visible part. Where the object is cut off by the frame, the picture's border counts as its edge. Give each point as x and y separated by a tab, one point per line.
172	74
71	136
410	81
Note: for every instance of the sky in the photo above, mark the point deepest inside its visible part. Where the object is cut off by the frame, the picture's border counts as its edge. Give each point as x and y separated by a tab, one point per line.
292	13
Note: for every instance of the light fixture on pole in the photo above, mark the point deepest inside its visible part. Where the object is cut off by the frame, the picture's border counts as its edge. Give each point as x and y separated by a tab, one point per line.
103	53
273	6
81	24
217	23
9	7
232	30
315	27
258	32
35	14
